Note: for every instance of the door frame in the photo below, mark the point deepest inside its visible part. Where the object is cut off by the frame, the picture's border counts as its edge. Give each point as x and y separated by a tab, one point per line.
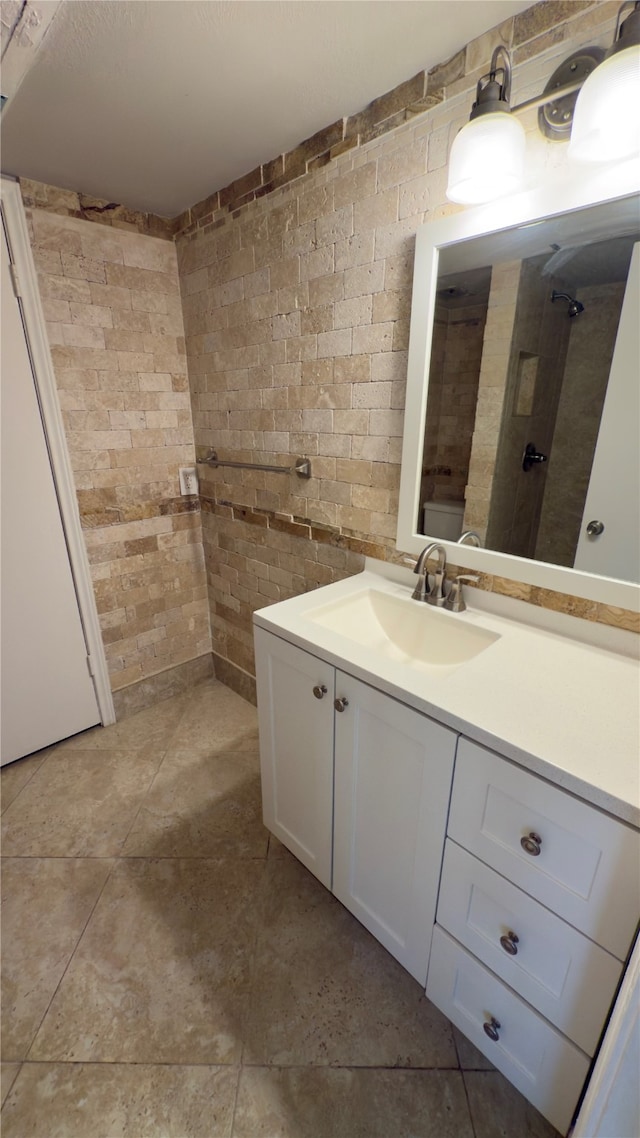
15	222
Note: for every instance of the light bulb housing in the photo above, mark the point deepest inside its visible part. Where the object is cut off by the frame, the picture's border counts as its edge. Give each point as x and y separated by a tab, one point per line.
605	126
487	156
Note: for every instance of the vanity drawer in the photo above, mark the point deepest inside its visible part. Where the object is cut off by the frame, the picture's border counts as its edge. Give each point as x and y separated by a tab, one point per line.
547	1069
588	866
566	977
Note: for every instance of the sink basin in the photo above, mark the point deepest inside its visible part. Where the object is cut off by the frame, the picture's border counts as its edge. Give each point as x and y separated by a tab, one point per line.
404	629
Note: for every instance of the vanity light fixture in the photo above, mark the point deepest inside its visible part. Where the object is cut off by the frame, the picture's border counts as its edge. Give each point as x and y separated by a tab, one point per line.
605	126
592	97
487	156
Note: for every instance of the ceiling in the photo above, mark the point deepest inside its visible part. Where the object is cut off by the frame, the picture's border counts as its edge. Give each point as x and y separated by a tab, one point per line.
156	103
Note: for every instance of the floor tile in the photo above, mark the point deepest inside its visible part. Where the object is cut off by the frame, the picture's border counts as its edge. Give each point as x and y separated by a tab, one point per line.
79	804
217	721
469	1058
202	806
276	849
152	728
326	1103
8	1072
499	1110
74	1100
16	775
325	992
45	906
162	972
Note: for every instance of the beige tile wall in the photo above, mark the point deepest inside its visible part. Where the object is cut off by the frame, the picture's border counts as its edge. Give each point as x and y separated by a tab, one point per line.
494	370
296	308
296	284
112	304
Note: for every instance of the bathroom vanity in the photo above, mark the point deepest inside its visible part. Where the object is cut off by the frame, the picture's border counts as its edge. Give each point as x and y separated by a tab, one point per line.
467	786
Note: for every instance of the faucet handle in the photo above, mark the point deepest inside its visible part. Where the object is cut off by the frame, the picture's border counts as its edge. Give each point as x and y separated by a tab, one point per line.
421	591
455	601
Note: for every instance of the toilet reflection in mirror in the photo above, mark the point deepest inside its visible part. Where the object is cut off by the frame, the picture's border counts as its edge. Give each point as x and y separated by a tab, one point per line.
534	348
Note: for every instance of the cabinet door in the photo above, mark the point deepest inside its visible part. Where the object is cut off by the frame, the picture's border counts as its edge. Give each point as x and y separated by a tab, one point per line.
545	1067
392	782
296	749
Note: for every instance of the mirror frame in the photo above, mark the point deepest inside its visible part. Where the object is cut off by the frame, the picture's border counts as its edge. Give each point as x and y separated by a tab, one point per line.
561	194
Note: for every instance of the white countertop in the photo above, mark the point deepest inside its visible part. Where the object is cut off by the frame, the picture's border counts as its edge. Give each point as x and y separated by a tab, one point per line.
545	697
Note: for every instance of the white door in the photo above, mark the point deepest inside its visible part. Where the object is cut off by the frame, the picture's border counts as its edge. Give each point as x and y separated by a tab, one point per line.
47	692
393	772
295	712
613	497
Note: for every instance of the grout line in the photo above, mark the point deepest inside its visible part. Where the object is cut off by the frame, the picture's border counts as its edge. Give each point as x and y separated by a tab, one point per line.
73	953
31	776
233	855
235	1098
247	1066
18	1063
466	1095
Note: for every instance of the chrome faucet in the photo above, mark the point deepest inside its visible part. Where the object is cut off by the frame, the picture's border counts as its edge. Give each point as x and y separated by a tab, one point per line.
470	537
422	592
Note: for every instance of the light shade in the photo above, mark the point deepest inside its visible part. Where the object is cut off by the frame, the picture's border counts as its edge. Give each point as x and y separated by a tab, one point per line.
605	122
487	159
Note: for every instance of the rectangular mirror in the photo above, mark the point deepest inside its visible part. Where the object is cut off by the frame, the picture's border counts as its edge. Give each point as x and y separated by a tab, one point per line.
522	425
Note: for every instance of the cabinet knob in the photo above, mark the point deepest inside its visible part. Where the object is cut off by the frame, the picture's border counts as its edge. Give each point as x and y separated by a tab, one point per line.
510	943
340	704
531	844
491	1029
319	690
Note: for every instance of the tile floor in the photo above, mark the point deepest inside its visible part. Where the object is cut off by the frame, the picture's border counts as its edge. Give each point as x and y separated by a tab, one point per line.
172	972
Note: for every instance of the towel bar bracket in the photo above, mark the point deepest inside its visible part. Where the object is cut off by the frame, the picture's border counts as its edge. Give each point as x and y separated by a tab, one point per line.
301	467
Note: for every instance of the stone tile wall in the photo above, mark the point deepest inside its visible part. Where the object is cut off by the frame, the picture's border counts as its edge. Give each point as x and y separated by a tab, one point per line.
69	203
540	338
112	304
584	386
296	306
494	370
454	370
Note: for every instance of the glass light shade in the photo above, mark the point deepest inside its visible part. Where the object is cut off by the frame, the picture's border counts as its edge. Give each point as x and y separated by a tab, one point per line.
606	124
487	159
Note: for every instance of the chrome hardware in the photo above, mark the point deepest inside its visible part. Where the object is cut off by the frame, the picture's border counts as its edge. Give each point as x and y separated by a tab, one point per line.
340	704
595	528
422	592
491	1029
319	690
470	537
455	601
301	466
436	595
531	456
531	844
510	943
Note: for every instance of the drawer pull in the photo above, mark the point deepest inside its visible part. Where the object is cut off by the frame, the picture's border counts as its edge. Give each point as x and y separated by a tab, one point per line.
319	690
491	1029
531	844
510	943
340	704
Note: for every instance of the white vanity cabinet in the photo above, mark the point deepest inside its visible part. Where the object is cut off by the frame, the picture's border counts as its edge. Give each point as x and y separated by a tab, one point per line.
537	911
393	771
350	770
370	753
295	716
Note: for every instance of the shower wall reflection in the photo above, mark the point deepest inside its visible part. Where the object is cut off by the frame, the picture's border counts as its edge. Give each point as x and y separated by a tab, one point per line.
511	366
